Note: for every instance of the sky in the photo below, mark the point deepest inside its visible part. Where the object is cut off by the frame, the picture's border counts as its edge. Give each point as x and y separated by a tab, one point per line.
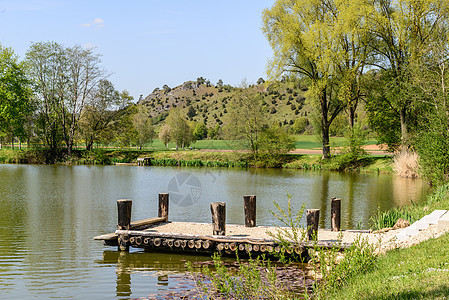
146	44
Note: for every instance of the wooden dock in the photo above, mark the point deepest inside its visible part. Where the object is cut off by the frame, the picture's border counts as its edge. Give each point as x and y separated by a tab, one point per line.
159	234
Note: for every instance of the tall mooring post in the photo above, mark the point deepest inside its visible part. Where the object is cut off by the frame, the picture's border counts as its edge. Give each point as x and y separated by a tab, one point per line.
313	217
124	222
218	210
250	210
163	206
335	214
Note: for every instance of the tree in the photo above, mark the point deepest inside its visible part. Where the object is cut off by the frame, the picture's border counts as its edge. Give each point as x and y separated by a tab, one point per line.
65	78
165	135
15	96
105	107
191	112
403	32
247	118
143	126
200	131
166	88
220	83
180	131
300	124
200	80
322	41
260	81
275	141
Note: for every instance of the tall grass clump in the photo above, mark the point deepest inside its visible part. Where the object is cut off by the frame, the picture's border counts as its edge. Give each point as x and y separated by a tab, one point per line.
332	268
254	279
336	269
439	199
406	164
387	219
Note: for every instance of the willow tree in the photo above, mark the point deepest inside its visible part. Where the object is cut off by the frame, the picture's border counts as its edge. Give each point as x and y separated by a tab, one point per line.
325	42
403	32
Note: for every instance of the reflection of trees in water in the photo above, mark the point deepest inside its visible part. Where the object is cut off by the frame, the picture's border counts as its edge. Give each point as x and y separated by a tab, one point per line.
406	189
324	199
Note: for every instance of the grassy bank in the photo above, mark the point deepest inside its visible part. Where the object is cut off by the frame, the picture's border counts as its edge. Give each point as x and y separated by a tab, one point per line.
418	272
108	156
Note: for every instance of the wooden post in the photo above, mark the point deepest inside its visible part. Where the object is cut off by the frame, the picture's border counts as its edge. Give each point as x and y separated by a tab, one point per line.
163	206
218	210
250	210
335	214
124	222
313	216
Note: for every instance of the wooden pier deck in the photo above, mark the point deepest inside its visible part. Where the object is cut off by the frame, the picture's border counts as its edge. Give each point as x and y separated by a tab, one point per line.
197	238
159	234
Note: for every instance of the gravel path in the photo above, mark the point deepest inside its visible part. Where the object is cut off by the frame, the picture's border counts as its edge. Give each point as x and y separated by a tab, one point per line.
384	240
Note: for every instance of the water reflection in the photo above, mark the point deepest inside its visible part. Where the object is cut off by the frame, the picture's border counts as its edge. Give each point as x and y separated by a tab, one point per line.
159	268
49	215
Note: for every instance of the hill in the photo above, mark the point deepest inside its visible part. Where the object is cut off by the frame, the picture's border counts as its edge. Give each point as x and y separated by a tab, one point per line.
204	102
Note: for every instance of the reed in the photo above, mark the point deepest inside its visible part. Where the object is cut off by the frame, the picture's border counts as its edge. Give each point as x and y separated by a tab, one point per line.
406	164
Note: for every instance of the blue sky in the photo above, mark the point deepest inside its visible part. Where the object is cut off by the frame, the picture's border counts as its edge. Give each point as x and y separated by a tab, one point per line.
146	44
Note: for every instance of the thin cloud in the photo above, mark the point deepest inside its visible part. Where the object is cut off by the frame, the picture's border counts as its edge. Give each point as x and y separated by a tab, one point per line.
97	22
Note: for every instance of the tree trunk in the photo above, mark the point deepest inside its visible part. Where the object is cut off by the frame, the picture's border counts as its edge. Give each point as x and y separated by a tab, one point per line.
404	127
325	124
325	139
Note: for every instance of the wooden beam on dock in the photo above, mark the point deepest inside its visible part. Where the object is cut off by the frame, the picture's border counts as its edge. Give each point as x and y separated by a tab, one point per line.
163	206
218	210
335	214
124	222
313	217
250	210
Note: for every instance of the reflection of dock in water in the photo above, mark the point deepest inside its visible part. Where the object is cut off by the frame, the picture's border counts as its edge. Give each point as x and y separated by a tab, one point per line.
162	266
158	234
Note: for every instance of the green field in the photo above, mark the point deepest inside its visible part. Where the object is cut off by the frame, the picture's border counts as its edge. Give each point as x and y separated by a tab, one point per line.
301	142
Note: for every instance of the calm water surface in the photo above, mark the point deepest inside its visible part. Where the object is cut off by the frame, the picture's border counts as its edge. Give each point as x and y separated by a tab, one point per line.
49	215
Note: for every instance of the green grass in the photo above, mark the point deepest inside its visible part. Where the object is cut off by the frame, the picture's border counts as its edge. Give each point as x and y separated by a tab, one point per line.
418	272
301	142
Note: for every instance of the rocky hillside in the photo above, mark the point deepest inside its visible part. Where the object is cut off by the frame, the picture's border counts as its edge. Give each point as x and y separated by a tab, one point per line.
208	103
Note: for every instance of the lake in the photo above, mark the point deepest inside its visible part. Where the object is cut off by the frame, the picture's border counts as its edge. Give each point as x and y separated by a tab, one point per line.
49	215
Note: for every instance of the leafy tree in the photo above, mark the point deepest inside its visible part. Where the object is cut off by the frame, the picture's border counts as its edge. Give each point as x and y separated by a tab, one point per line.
404	31
200	131
247	118
166	88
143	126
322	41
64	78
200	80
300	124
180	131
165	134
260	81
275	141
191	112
220	83
15	96
105	107
213	132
